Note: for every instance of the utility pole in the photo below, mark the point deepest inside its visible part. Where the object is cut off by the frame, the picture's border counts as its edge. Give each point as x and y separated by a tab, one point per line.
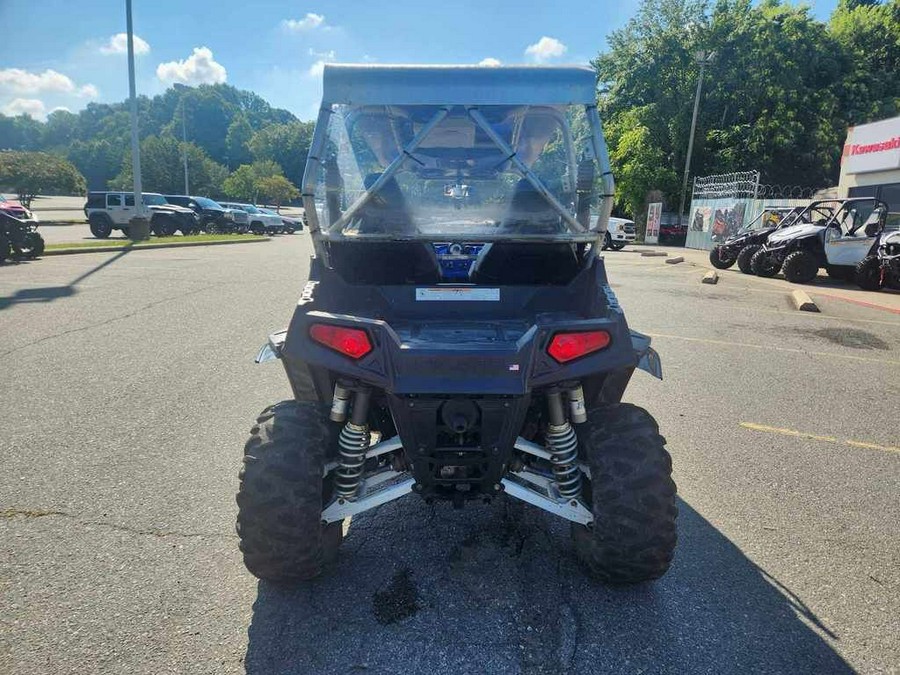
187	190
139	225
702	59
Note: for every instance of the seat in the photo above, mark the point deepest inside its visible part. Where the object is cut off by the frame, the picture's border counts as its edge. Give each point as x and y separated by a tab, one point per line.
386	211
529	213
518	263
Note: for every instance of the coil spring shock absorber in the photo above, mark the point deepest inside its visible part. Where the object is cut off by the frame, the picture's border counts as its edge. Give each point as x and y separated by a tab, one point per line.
564	448
352	444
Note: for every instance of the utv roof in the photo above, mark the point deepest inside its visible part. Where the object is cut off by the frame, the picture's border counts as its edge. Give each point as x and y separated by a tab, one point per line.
460	85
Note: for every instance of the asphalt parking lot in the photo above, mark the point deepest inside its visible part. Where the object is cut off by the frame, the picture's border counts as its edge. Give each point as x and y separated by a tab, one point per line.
128	386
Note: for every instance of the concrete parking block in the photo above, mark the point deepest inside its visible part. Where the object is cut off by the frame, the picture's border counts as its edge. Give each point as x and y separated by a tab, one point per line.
711	277
675	261
803	302
653	254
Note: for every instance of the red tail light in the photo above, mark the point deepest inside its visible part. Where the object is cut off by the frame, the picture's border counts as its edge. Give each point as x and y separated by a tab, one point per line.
565	347
352	342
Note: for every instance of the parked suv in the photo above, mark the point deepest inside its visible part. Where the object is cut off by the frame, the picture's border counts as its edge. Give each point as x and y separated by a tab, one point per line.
260	221
108	211
213	217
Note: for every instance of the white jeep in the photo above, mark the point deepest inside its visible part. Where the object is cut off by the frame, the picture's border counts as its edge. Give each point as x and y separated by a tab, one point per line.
108	211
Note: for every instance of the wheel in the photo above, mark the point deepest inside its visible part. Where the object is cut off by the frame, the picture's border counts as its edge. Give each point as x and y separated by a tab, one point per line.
101	225
617	245
607	240
720	259
745	257
288	229
34	245
868	273
281	495
764	264
631	494
164	226
800	267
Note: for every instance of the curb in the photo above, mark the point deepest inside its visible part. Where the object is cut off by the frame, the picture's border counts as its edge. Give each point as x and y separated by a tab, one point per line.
149	247
803	302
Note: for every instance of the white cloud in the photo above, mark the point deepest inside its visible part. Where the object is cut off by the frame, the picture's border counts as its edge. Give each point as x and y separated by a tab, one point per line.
490	61
88	91
309	22
118	44
60	108
324	56
199	68
545	49
316	69
21	81
25	106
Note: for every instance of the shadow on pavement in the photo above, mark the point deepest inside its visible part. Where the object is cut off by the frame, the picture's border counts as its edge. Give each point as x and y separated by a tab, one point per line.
51	293
497	589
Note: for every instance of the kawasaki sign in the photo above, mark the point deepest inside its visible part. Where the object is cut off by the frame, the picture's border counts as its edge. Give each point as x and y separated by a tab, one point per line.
873	147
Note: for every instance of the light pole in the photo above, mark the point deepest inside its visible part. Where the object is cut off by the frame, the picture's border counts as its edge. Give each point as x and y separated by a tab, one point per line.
187	190
702	58
138	226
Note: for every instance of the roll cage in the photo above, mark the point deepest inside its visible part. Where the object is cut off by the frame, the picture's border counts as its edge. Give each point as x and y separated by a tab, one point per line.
463	92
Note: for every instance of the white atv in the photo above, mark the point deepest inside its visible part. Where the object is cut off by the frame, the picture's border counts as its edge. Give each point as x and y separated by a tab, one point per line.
835	234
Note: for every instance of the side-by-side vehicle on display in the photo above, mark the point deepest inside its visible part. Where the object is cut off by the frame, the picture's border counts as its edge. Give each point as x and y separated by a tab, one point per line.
881	268
835	234
458	349
741	247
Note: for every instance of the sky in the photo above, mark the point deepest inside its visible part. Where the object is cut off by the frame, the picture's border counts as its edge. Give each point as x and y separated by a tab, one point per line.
71	52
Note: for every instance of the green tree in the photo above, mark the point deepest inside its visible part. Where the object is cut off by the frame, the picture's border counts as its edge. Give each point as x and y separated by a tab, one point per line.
869	33
20	133
770	97
98	160
277	189
243	183
33	173
162	168
286	144
236	141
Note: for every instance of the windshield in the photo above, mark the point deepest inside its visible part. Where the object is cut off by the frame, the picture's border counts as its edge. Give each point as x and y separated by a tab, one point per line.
439	171
207	203
153	200
249	208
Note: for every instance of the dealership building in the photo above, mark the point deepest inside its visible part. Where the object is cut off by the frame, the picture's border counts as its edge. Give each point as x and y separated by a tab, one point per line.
870	165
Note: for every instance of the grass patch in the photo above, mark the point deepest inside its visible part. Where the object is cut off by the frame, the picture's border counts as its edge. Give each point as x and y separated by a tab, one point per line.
154	241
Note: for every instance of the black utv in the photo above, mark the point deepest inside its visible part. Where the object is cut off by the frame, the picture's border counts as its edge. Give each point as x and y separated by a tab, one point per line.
19	239
465	350
742	246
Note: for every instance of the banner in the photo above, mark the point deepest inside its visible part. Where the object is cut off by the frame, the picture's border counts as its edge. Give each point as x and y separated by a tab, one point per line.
654	215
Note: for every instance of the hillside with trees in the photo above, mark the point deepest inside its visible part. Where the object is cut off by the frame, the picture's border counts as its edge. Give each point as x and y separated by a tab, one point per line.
226	129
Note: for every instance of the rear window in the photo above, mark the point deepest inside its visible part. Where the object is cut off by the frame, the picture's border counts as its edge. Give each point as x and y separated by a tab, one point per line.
95	200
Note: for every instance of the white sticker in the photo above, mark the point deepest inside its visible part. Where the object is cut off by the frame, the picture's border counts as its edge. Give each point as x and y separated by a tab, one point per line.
458	294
